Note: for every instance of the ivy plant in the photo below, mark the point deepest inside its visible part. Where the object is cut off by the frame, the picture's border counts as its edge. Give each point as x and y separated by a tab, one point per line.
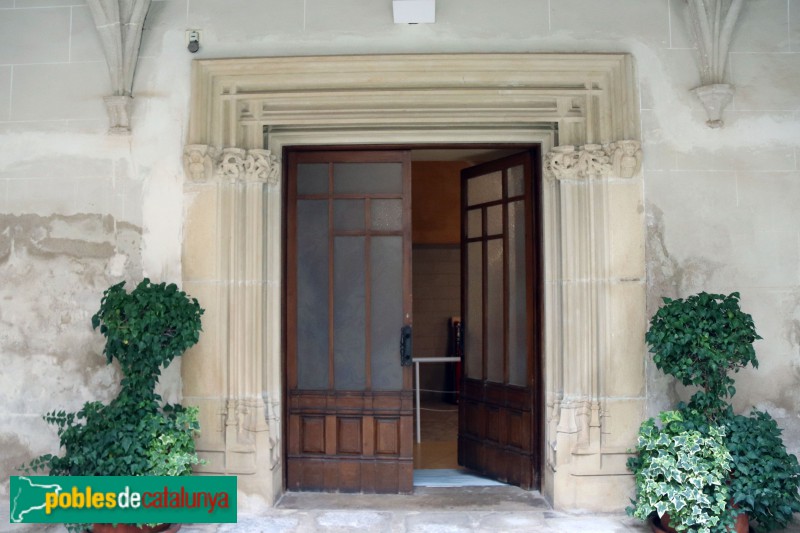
134	434
699	340
682	472
764	476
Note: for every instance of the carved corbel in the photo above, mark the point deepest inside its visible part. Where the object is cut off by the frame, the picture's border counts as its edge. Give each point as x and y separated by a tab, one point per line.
119	24
621	159
712	27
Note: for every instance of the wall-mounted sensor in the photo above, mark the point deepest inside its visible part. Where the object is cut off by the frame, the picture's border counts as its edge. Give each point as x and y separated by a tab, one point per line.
193	40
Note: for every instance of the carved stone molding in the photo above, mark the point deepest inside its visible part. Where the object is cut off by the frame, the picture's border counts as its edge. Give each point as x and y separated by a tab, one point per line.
202	163
712	23
621	159
119	24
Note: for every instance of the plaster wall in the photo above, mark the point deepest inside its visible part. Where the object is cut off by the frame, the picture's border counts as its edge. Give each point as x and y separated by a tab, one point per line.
80	210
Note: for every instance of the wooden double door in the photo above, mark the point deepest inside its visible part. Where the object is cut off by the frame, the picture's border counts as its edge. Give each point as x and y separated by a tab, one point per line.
349	404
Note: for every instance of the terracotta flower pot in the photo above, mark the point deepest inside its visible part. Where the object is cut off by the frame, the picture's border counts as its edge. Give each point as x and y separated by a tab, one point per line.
130	528
662	525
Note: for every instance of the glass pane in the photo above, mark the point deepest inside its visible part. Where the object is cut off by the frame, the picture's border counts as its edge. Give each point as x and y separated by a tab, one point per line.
516	185
486	188
349	316
368	178
348	215
387	215
494	220
474	223
312	294
473	325
494	311
386	313
517	291
312	178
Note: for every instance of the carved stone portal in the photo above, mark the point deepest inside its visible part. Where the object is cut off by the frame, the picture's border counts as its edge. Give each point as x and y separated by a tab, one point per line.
593	250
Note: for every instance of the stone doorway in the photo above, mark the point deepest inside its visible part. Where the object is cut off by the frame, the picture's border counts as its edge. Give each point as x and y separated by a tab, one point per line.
580	108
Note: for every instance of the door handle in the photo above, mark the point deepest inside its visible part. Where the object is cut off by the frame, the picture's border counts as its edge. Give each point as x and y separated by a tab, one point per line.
405	346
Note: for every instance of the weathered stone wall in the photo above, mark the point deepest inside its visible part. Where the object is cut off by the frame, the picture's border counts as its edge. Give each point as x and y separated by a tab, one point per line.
81	210
54	269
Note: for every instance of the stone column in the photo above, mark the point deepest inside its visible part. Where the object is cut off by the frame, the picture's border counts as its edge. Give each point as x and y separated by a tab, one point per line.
595	388
226	268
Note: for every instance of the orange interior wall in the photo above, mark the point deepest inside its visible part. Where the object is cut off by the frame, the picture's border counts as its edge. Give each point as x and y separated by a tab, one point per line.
436	199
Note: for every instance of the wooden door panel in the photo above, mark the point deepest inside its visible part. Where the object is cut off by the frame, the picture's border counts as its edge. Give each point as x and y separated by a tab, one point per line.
313	434
387	436
500	405
349	402
349	436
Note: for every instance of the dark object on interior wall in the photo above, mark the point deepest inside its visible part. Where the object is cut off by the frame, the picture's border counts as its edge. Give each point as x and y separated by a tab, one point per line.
455	348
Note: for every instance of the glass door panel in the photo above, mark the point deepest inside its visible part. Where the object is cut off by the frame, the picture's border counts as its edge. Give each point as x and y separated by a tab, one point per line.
349	314
313	294
386	312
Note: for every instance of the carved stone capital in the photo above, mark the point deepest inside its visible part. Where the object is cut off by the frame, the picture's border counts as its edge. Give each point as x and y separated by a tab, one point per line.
230	166
198	162
202	163
262	165
254	165
621	159
626	158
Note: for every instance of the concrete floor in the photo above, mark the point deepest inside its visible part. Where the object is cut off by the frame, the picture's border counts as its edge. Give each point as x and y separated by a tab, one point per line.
428	510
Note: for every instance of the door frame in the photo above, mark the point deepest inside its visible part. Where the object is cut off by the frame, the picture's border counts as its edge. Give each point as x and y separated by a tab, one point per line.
535	262
582	107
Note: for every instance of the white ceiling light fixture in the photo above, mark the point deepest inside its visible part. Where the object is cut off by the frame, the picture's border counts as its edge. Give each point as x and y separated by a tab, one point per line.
414	11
